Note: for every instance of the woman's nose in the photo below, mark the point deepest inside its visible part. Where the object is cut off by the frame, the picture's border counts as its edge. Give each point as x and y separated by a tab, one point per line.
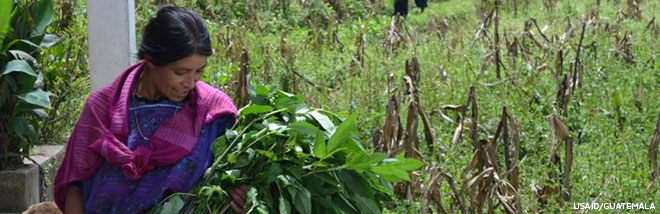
190	80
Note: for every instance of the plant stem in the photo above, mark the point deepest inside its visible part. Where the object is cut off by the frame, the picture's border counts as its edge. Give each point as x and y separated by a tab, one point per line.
219	158
324	170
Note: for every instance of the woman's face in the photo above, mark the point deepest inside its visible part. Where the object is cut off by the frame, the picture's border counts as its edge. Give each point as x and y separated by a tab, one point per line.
176	79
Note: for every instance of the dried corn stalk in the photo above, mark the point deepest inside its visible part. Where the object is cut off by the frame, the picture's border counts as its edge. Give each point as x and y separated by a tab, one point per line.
653	156
287	55
633	9
242	96
623	48
560	130
498	60
394	39
410	139
392	128
577	66
487	185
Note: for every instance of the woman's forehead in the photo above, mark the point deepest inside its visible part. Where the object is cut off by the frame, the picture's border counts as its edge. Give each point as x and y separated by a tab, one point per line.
190	62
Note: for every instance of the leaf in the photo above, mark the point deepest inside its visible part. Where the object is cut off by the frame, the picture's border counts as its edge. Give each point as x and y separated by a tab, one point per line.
342	134
259	95
6	7
19	66
409	164
255	109
42	13
360	161
391	173
19	54
395	170
231	175
320	150
252	198
275	126
25	45
40	113
26	77
231	135
305	128
268	154
245	158
49	40
273	172
303	200
290	103
173	205
219	146
323	120
360	190
22	129
37	97
285	207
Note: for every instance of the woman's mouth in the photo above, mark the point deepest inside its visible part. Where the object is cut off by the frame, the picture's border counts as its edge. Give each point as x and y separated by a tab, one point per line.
181	93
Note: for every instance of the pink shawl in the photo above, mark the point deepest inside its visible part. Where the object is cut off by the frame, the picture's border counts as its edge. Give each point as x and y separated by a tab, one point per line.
101	132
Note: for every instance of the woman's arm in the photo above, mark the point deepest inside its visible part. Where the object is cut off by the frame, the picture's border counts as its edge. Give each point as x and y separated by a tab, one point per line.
74	201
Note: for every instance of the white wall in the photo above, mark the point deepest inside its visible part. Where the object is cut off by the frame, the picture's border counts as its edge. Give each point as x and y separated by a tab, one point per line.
111	39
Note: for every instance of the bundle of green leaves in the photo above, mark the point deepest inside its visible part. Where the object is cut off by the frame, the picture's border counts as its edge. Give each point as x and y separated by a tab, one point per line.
296	159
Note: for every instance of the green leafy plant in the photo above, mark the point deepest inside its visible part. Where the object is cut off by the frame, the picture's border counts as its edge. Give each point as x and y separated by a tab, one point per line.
22	100
296	160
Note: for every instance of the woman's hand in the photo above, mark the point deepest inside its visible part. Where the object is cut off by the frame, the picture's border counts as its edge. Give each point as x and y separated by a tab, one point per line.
238	197
73	203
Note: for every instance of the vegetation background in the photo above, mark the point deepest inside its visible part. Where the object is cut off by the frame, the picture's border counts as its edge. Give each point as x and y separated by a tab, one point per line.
350	56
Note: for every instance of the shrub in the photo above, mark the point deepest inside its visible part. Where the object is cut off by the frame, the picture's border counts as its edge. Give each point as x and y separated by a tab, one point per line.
22	100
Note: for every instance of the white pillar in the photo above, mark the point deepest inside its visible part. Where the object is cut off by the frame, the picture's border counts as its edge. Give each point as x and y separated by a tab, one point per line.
111	39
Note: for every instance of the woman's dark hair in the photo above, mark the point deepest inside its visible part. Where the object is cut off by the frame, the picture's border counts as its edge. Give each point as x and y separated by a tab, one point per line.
173	34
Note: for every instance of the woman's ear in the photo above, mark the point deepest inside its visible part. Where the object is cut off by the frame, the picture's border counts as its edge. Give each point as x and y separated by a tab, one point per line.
149	61
150	66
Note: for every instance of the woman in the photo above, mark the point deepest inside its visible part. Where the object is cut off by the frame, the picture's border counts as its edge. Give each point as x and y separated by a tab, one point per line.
148	134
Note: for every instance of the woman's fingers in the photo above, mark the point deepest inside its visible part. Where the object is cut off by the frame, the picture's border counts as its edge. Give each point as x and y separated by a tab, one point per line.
243	187
236	208
237	197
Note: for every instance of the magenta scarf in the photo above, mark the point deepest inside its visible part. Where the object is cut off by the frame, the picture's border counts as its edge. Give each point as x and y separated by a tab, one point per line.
101	132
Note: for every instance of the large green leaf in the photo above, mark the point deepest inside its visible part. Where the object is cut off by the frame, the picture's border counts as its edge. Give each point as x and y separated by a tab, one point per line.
259	95
273	172
5	18
396	169
303	200
42	13
19	66
37	97
22	129
49	40
360	191
40	113
391	173
342	134
323	120
285	207
255	109
305	128
19	54
361	161
26	78
320	150
407	164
